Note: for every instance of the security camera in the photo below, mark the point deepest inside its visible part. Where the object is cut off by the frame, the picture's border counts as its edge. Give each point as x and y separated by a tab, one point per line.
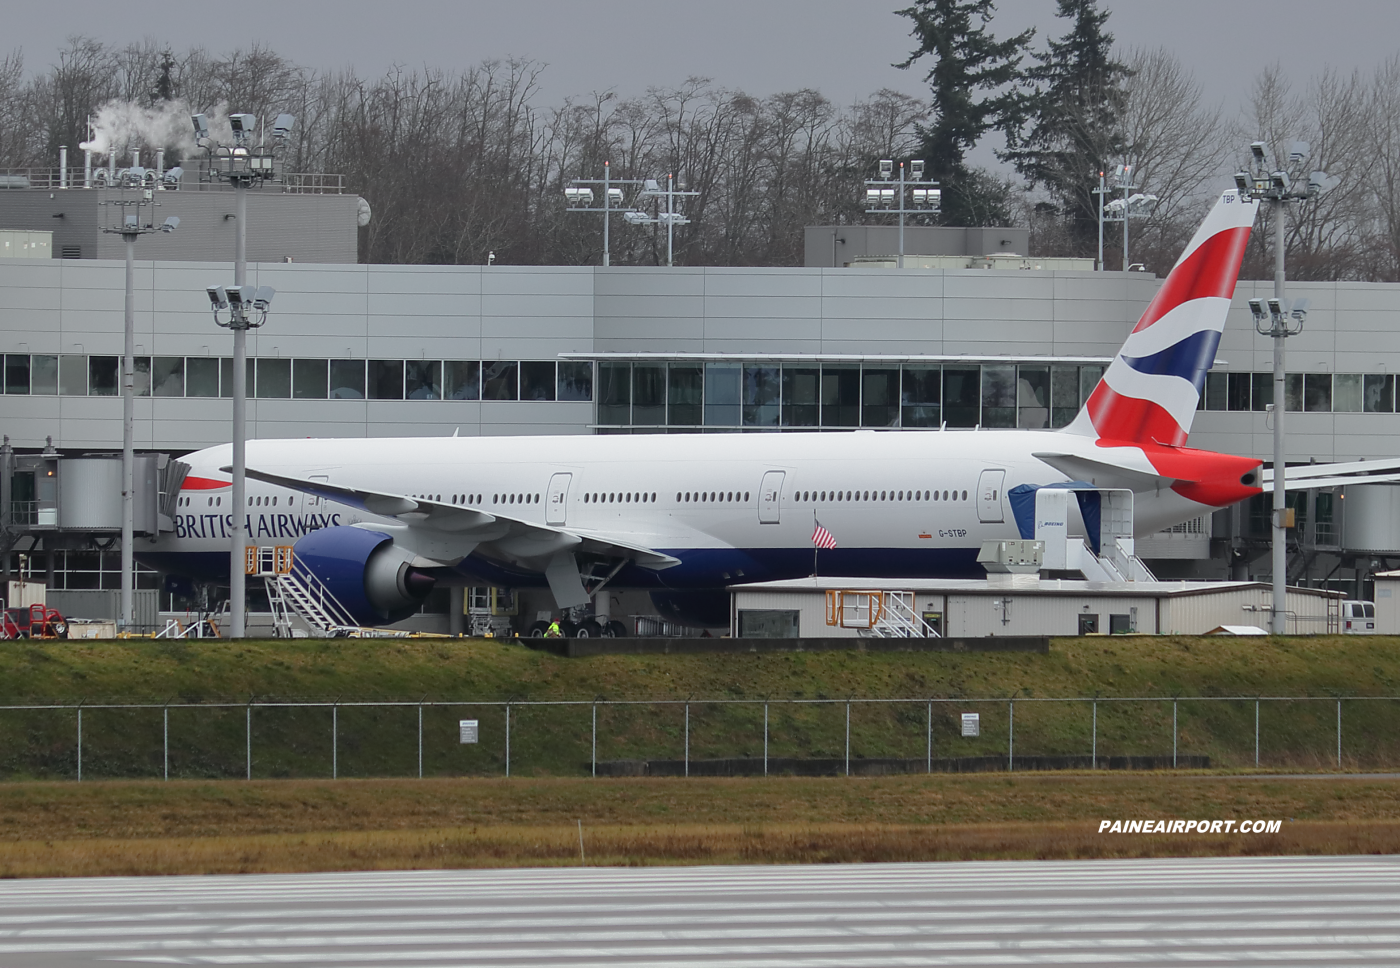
282	127
263	298
170	224
201	126
916	169
1243	183
129	223
1276	307
1257	150
243	125
1256	306
241	297
171	179
886	167
218	298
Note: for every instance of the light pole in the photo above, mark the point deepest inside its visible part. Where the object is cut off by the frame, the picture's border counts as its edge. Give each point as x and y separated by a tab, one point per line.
881	197
1279	321
580	199
241	164
132	226
1122	209
669	218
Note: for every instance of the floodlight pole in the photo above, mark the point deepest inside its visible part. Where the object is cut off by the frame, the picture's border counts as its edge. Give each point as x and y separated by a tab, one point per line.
904	209
607	215
129	230
1101	191
1279	533
237	583
128	596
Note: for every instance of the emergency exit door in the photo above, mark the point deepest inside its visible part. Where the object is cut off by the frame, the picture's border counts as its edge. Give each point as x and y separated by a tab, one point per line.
989	503
556	510
770	497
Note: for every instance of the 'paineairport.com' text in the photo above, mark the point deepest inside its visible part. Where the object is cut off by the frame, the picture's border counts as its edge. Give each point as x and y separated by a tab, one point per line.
1190	826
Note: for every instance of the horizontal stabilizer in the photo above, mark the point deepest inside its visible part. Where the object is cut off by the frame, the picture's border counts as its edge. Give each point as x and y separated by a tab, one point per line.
1104	473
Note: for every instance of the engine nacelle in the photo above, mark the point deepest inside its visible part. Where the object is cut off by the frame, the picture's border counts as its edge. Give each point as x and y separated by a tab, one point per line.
367	573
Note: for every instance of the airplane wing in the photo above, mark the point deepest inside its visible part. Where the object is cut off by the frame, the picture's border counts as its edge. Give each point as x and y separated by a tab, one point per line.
1309	476
448	533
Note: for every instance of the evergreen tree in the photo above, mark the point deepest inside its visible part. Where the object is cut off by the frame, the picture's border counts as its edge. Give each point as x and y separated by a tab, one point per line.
1073	129
967	60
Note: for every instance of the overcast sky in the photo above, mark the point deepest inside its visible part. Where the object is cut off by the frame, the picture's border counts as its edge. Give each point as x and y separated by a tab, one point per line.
842	47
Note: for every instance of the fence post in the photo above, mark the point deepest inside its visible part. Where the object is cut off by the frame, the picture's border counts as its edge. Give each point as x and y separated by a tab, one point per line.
1011	736
1174	734
1256	732
507	738
594	746
335	742
420	741
1094	752
1339	734
687	739
80	744
930	737
165	745
765	737
848	738
248	741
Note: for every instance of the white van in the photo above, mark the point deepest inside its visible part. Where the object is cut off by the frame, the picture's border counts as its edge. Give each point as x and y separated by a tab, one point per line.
1358	618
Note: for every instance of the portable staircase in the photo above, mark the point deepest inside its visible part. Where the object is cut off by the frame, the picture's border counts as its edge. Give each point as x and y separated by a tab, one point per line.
303	607
877	614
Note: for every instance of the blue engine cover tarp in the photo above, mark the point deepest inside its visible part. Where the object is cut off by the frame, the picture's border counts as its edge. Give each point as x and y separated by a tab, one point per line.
1022	498
337	557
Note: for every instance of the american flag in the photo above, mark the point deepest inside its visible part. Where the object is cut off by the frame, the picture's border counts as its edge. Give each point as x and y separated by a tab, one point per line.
821	538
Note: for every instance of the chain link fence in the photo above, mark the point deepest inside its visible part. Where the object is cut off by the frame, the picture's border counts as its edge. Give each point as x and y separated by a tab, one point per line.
285	739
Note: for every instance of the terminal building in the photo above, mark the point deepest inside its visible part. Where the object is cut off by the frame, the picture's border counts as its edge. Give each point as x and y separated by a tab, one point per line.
355	350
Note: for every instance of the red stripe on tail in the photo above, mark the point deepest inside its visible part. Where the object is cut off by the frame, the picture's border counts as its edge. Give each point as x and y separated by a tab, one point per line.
1129	419
1211	270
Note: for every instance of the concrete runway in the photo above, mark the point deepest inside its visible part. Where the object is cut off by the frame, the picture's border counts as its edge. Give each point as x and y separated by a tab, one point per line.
1265	911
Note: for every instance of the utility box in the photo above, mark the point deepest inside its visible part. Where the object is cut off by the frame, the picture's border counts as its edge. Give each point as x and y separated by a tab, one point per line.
23	244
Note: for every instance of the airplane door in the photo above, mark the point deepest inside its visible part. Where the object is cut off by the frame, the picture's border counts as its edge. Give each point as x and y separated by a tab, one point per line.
770	497
556	511
989	503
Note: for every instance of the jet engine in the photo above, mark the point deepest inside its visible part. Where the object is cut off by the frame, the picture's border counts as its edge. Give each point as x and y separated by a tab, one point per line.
366	572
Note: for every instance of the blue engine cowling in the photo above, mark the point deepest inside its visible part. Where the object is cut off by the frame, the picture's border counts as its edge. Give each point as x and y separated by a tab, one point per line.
366	572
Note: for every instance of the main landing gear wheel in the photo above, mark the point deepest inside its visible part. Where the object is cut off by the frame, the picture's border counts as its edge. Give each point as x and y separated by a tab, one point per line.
617	630
538	630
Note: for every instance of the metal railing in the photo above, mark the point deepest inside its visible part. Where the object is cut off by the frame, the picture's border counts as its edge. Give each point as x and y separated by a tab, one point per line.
50	179
125	736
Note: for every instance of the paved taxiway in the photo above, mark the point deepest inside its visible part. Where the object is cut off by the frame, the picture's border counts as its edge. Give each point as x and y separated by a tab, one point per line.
1266	911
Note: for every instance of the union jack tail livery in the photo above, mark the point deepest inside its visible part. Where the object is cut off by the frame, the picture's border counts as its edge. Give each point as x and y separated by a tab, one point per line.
1150	391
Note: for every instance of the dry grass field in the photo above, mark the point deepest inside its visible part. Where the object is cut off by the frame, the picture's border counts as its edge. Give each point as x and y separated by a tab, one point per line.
137	827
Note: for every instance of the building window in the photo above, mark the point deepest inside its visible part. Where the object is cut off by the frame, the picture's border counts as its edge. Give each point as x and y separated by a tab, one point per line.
168	376
461	380
840	396
921	389
309	379
384	379
762	389
648	395
961	396
722	394
998	396
102	376
615	393
1378	392
43	374
575	380
537	380
1032	397
1346	393
16	373
685	395
73	376
801	396
500	380
879	397
423	379
274	379
1261	392
1317	392
1064	395
348	379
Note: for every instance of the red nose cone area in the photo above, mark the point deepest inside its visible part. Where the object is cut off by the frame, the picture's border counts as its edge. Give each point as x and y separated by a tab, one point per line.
1203	476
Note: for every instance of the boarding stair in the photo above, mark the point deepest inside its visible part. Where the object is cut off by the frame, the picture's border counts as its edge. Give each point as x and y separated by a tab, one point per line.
877	613
302	606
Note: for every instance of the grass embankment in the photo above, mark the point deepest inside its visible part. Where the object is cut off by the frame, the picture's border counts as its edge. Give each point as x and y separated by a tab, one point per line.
52	829
296	742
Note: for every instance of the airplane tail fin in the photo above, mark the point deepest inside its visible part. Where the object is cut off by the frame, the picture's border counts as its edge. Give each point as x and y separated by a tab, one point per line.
1150	391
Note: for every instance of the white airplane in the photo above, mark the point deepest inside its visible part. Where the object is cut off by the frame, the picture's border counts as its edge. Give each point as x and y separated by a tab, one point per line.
381	522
